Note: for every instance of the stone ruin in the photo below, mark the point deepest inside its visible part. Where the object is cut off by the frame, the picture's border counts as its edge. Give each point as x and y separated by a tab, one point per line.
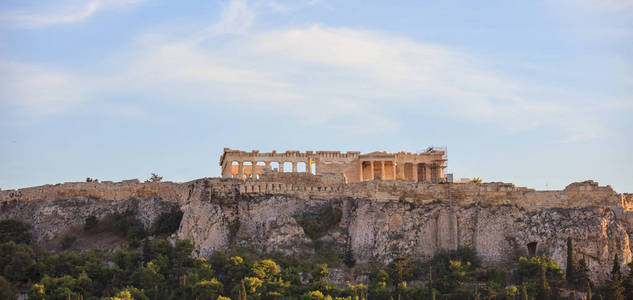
427	166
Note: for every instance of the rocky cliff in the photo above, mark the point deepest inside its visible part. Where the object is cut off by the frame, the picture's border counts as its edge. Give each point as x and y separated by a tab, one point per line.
374	222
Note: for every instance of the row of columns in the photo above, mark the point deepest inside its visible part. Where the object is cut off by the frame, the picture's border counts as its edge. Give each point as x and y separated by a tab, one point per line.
240	168
431	172
372	165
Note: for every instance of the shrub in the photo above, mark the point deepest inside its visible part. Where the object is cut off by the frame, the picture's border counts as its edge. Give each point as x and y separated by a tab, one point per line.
317	224
442	258
135	234
167	223
154	178
497	276
14	230
68	240
90	223
348	257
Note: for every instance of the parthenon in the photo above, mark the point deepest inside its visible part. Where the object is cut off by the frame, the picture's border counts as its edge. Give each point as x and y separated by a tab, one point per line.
426	166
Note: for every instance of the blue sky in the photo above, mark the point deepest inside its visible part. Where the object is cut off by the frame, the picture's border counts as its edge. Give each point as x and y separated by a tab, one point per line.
530	92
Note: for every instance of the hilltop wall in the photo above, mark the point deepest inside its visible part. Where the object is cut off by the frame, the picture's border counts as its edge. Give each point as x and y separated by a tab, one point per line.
305	186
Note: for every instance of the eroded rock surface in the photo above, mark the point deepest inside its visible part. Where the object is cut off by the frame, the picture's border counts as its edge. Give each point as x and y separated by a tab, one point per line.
377	222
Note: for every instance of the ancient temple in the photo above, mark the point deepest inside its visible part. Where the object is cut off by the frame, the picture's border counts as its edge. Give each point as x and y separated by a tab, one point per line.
426	166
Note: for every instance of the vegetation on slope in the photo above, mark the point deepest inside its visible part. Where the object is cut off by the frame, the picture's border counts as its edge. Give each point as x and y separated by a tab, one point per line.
163	269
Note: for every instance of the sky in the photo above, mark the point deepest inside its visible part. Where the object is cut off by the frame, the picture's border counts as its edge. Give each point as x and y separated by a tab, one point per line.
536	93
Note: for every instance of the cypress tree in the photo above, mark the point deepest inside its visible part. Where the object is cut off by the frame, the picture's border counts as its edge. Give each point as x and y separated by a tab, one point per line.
616	273
589	295
431	290
582	272
628	282
571	262
242	294
615	291
524	293
543	287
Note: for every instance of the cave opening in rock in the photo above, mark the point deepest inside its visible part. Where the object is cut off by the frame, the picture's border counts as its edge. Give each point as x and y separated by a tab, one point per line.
531	249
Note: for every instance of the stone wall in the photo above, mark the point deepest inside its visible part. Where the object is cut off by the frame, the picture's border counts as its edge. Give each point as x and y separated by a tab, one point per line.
305	186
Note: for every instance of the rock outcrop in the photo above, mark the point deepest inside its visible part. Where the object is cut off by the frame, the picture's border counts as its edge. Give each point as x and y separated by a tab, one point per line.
374	221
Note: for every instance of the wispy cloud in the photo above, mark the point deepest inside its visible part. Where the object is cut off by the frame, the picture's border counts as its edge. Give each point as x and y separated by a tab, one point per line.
334	77
36	90
64	13
236	18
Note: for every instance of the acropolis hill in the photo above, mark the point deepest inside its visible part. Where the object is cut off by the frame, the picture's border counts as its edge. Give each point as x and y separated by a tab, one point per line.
388	205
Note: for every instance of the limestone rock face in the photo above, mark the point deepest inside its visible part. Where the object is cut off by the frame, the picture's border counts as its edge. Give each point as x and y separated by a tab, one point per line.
48	218
374	231
205	225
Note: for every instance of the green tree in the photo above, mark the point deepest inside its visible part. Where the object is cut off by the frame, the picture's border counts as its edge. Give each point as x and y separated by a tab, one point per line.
378	287
90	222
60	288
266	269
7	291
615	270
167	223
154	178
207	289
530	273
511	292
37	292
476	180
15	261
589	293
150	279
627	282
14	230
181	259
544	289
582	272
67	241
457	274
488	291
242	294
571	263
524	293
319	277
614	289
220	261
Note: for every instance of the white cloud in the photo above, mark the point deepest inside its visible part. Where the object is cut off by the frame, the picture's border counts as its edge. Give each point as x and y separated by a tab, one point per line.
338	78
236	18
66	13
35	90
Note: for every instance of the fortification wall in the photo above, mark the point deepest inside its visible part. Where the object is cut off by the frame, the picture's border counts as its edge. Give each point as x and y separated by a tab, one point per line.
306	186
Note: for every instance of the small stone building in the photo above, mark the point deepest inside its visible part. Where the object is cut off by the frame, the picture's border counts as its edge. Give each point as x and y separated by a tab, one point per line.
427	166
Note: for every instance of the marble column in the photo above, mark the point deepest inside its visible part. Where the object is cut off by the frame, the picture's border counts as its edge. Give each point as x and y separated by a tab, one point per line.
382	170
240	170
394	170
